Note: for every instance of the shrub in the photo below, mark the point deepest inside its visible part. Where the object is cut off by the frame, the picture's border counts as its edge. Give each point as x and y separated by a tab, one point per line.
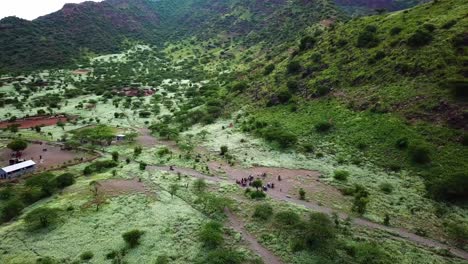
319	231
41	217
287	219
199	185
269	69
302	194
142	166
257	195
451	187
283	137
402	143
292	85
223	150
419	38
115	156
395	31
341	175
132	238
263	212
239	86
386	187
283	96
211	235
65	180
11	209
293	67
368	38
86	255
420	154
459	87
458	232
370	253
306	43
323	126
361	199
99	166
163	151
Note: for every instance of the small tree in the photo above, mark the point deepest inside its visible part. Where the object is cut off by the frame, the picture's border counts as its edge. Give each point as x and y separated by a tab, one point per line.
132	238
115	156
143	166
302	194
199	185
173	189
263	212
41	217
137	151
257	184
211	235
17	145
224	150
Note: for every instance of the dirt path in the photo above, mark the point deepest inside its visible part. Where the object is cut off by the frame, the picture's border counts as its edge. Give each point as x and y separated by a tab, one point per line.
237	225
276	194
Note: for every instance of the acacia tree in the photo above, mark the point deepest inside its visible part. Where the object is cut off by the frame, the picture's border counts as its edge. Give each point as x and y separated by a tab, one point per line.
17	145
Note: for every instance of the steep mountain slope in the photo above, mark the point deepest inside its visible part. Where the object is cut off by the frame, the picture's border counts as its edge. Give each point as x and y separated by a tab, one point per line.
58	38
389	88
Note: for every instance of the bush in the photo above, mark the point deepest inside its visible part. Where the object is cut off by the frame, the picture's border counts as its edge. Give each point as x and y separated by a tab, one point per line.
306	43
282	137
65	180
458	232
11	210
386	187
257	195
302	194
402	143
162	260
142	166
323	126
419	38
341	175
239	87
223	150
99	167
451	187
211	235
395	31
41	217
459	87
132	238
287	219
319	231
293	67
368	38
269	69
263	212
292	85
420	155
88	255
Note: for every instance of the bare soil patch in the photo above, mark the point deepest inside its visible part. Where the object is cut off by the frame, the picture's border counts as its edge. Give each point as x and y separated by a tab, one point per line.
114	187
46	156
34	121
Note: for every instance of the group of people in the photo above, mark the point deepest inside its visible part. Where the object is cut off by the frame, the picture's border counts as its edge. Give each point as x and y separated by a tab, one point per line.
244	182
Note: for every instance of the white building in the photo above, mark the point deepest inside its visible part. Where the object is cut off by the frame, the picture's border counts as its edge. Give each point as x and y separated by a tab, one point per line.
17	170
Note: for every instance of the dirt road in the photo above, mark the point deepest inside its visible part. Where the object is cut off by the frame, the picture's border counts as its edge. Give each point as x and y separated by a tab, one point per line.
276	194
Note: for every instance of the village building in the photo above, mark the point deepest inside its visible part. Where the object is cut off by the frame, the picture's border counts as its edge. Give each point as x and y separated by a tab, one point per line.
120	137
16	170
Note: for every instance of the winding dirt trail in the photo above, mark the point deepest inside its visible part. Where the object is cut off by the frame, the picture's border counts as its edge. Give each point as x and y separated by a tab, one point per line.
277	195
237	225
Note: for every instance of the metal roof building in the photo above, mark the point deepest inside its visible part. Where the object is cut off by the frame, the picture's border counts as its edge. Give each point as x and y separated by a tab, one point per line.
17	169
